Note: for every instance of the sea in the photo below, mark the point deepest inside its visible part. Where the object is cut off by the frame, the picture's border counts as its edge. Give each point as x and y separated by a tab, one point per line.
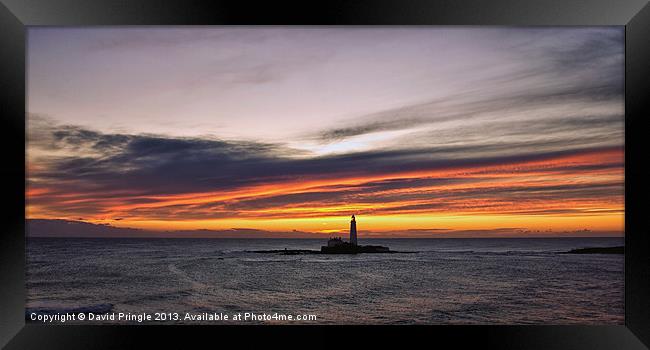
430	281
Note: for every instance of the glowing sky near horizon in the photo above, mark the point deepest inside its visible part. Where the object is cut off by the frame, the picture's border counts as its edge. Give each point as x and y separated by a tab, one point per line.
284	129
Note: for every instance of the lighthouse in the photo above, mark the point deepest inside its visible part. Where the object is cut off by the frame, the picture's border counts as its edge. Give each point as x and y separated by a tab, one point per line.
353	231
337	246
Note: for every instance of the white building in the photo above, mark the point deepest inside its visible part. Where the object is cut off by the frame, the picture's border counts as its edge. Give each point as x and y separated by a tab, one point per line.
353	231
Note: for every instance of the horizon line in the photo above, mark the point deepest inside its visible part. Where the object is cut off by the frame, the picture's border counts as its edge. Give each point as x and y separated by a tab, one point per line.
389	237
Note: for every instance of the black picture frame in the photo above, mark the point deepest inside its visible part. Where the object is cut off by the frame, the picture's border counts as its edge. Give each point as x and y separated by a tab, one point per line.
15	15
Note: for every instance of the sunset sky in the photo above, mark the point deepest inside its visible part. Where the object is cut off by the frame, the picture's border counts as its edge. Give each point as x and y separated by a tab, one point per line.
418	129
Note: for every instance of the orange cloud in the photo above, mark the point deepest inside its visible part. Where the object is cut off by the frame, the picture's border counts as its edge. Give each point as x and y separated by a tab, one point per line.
563	192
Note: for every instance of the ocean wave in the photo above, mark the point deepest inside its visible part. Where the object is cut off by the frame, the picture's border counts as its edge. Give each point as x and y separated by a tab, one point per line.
163	296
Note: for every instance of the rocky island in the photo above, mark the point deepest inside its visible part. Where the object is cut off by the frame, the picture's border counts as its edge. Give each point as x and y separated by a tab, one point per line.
338	246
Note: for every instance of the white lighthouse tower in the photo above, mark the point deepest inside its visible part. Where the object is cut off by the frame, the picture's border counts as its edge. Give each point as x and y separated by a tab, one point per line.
338	246
353	231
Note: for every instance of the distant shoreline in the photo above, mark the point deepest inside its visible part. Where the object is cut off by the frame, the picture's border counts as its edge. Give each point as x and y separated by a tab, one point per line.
79	229
315	238
598	250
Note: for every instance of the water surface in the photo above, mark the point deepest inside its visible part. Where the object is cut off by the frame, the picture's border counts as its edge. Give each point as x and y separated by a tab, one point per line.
461	281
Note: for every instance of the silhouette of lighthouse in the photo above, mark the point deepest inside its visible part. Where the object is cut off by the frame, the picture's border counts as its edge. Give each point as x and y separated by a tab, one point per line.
353	231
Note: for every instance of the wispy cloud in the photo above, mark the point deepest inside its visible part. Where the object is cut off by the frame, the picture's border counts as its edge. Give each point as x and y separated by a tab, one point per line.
309	124
144	176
